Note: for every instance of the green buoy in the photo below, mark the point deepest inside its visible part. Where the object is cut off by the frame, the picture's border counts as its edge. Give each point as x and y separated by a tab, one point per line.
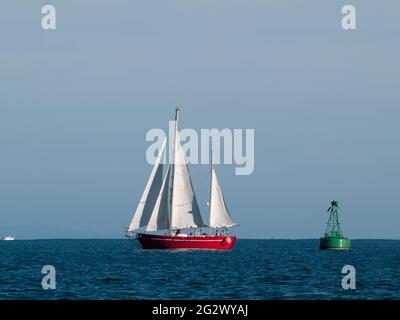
334	238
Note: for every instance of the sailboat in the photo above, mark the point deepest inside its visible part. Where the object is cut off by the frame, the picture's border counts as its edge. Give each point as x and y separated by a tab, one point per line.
168	214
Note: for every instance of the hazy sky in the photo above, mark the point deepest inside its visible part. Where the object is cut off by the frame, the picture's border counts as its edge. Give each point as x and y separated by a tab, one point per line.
76	103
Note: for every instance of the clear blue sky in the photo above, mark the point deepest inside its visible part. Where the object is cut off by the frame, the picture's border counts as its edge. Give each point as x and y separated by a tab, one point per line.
76	103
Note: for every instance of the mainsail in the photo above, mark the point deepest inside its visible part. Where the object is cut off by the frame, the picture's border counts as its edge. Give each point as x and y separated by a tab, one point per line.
160	217
219	214
185	212
149	196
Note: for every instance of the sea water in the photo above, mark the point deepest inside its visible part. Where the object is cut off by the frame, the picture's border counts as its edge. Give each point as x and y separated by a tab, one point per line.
255	269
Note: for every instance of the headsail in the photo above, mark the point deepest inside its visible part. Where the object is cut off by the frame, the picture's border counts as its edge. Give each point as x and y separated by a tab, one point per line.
219	214
160	217
150	194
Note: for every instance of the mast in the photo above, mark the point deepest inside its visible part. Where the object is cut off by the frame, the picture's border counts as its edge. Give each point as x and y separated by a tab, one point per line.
177	109
210	198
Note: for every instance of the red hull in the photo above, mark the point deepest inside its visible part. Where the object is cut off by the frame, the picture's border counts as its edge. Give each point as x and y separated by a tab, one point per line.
149	241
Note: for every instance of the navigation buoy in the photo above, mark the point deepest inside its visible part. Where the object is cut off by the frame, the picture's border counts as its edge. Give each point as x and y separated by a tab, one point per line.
334	238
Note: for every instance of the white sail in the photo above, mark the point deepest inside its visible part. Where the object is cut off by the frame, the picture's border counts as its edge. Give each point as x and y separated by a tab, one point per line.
185	212
160	217
219	215
149	196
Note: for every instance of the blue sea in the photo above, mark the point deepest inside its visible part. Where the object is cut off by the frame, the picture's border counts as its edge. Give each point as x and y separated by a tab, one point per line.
255	269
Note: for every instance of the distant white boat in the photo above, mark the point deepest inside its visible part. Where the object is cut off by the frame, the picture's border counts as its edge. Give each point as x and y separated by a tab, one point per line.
8	238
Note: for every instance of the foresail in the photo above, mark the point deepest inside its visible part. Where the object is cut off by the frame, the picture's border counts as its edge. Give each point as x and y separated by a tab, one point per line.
185	212
219	215
160	217
149	197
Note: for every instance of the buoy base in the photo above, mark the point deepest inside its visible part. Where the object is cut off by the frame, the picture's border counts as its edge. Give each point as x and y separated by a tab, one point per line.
334	243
